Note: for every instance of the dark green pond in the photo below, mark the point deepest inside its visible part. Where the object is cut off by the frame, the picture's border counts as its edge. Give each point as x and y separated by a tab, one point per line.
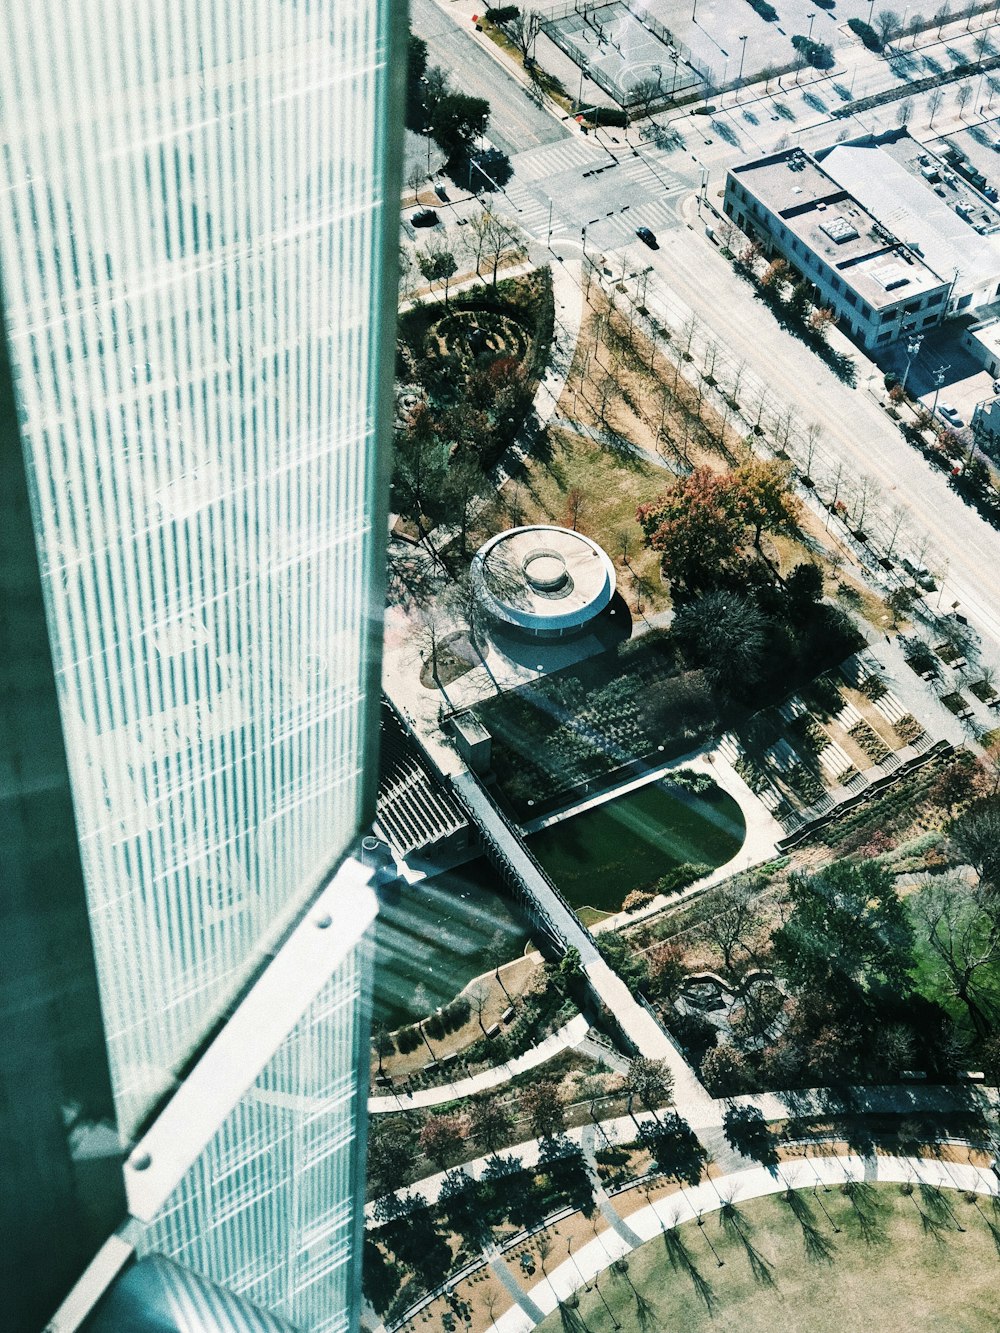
434	937
601	855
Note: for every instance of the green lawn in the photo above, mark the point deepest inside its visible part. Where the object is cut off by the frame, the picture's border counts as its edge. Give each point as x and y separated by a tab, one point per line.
598	857
792	1273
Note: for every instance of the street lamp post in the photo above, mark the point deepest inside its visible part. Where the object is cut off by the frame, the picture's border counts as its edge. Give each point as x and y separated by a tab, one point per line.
812	19
939	375
675	56
743	52
913	345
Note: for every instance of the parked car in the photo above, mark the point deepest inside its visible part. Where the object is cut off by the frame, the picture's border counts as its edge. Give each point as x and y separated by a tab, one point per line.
950	414
425	218
647	237
917	571
996	386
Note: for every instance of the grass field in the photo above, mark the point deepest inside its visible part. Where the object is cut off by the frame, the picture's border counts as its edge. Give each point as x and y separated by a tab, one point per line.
597	491
898	1265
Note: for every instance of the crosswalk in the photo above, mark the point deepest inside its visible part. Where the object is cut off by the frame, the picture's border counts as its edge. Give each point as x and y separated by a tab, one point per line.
647	189
551	159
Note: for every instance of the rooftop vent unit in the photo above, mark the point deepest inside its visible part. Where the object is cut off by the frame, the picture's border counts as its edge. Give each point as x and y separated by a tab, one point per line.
839	229
890	276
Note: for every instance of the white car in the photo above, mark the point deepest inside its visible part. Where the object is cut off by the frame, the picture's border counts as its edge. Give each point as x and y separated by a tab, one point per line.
950	414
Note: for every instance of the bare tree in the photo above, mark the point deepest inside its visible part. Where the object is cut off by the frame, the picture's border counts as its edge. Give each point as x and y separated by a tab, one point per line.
708	362
734	919
934	101
865	490
734	390
962	98
962	929
523	31
895	525
574	506
887	25
479	998
493	240
415	177
813	432
642	96
941	17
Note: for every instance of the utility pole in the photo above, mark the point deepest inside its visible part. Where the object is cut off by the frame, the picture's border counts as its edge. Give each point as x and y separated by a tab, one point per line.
939	375
913	345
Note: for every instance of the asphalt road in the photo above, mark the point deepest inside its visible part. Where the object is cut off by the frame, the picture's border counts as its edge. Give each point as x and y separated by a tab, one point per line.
516	123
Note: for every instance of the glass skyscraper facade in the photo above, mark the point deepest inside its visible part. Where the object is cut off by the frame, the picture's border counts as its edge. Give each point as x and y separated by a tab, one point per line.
198	230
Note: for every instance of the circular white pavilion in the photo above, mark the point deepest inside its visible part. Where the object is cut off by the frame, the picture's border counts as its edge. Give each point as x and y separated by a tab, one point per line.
544	581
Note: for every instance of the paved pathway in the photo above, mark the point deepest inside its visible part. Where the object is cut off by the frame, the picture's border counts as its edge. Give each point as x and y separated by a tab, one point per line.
638	1024
570	1035
754	1182
895	1099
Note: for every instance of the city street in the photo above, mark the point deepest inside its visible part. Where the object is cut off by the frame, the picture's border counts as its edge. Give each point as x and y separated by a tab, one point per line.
595	190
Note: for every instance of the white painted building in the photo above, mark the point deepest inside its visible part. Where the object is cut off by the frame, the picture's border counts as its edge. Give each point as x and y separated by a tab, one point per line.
878	288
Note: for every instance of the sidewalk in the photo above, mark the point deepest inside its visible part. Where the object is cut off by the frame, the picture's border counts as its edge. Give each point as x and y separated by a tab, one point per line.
568	1036
890	1099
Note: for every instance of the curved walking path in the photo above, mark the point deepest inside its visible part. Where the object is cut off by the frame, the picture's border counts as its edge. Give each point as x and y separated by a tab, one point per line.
811	1102
753	1183
570	1035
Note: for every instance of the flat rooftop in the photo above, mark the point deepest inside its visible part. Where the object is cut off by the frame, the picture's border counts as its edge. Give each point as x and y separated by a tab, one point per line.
832	223
920	199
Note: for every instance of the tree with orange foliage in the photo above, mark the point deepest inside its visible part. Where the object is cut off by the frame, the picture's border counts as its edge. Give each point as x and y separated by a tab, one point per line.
697	525
768	504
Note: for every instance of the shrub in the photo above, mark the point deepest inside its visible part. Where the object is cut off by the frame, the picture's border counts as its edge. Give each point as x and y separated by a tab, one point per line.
636	900
501	13
680	877
869	741
407	1040
873	687
868	35
767	12
690	780
615	117
818	54
908	728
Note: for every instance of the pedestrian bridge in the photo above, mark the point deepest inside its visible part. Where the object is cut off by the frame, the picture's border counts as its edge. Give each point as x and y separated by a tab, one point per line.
550	911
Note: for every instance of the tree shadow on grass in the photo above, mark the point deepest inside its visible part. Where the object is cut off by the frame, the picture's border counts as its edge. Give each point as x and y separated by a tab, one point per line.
738	1228
819	1249
680	1258
645	1313
866	1211
571	1319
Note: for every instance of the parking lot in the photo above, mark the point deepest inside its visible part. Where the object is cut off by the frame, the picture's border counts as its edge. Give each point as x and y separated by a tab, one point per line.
712	30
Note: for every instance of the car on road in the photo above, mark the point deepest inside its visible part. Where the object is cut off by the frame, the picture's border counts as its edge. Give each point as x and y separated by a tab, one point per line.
918	571
425	218
647	237
950	414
